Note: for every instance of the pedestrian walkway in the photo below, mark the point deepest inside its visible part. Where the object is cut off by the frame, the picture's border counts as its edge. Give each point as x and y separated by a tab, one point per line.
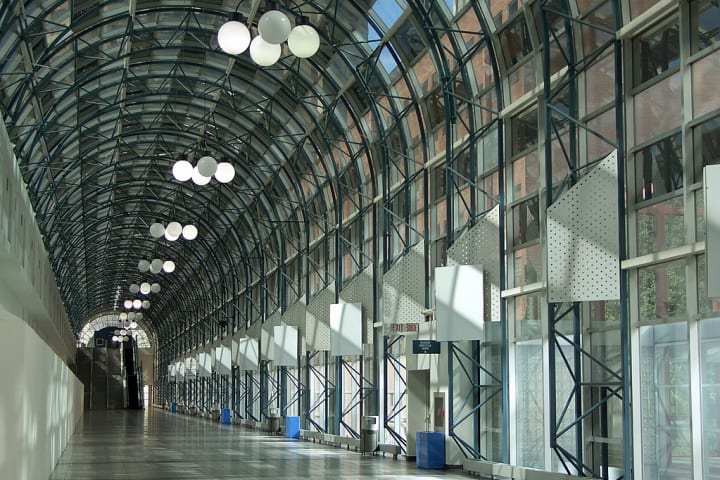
156	444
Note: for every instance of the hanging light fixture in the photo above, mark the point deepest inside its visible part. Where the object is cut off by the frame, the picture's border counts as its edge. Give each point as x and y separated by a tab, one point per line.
225	172
155	288
134	288
198	178
123	316
234	35
182	170
207	166
127	304
131	316
143	266
145	288
137	304
190	232
303	40
146	304
263	53
174	229
168	266
138	316
156	265
157	230
274	26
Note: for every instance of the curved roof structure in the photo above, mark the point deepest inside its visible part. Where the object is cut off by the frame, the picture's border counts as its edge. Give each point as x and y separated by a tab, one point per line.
101	98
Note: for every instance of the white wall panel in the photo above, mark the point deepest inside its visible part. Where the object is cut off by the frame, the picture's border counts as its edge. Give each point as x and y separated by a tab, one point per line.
222	360
459	303
286	345
583	238
346	329
404	288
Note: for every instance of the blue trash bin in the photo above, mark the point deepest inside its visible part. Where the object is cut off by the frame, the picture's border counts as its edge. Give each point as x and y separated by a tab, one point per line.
430	450
173	407
292	427
225	417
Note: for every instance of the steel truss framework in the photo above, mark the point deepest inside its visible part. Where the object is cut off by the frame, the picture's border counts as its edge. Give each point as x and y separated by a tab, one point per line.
584	411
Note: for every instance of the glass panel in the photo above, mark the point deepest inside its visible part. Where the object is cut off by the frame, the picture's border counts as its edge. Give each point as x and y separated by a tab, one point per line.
529	404
664	374
524	132
659	169
708	307
658	109
705	72
515	41
706	18
408	42
526	221
656	53
661	226
526	175
662	291
522	80
699	216
600	83
527	265
639	6
604	124
709	153
710	384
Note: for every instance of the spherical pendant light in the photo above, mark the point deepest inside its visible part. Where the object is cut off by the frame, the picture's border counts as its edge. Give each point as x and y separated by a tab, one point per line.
170	238
155	288
123	316
234	37
145	288
168	266
207	166
182	170
138	316
134	288
131	316
264	53
143	265
137	304
190	232
198	179
133	325
274	27
156	265
157	230
225	172
304	41
127	304
146	304
174	229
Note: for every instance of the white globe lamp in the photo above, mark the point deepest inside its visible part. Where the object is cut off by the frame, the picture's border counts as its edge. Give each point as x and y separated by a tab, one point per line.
206	166
128	304
146	304
168	266
155	288
157	230
198	179
304	41
174	229
134	288
182	170
263	53
274	27
143	265
156	265
189	232
137	304
234	37
123	316
144	288
225	172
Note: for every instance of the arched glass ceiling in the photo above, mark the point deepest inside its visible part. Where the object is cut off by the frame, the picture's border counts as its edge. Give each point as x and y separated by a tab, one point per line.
87	332
101	98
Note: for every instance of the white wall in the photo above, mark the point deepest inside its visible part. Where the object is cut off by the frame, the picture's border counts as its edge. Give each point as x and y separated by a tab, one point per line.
41	402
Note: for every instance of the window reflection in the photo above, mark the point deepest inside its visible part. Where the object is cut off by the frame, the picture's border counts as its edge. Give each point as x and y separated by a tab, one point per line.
656	53
659	168
706	15
515	41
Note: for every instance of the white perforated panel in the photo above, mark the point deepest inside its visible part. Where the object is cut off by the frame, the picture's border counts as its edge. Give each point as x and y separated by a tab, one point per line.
583	239
481	246
360	290
295	315
318	320
404	288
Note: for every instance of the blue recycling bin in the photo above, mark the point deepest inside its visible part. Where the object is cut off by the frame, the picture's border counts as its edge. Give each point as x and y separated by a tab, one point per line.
430	450
292	427
225	416
173	407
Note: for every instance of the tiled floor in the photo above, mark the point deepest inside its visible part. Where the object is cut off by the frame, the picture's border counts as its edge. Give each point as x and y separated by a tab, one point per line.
156	444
